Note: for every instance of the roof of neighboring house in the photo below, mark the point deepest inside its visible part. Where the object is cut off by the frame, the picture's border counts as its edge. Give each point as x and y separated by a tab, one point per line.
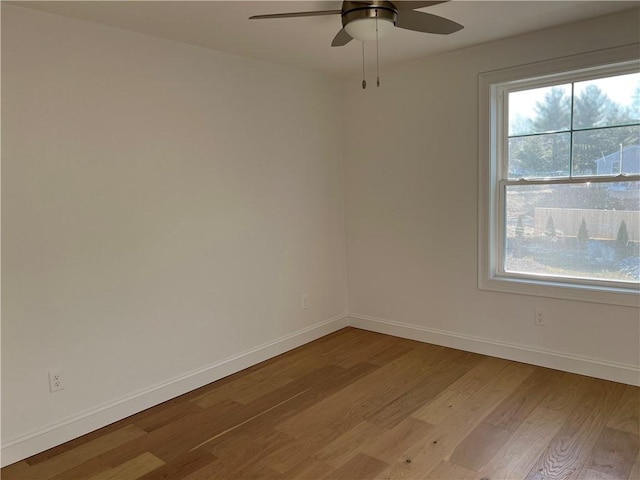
629	154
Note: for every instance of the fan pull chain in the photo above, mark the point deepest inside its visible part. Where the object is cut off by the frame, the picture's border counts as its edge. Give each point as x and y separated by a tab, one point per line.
364	80
377	55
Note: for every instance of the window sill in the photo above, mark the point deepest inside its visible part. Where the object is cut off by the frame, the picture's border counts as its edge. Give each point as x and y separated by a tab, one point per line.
544	288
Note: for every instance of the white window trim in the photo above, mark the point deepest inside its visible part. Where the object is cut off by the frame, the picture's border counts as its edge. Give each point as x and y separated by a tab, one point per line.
488	148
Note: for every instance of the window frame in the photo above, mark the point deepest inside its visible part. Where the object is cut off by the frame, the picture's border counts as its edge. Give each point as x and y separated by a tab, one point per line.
493	173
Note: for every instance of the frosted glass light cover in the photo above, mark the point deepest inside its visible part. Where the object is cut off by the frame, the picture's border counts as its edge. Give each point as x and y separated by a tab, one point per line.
364	29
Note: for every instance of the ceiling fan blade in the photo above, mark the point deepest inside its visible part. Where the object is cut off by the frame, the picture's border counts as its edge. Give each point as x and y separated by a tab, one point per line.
342	38
297	14
427	23
413	5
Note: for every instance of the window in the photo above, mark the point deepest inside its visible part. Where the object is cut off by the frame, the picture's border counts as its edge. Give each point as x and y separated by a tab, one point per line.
560	179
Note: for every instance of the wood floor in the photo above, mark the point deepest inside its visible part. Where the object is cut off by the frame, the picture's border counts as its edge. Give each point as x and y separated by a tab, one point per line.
360	405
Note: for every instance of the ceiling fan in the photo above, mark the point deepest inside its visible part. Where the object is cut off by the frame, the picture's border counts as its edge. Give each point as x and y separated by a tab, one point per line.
370	20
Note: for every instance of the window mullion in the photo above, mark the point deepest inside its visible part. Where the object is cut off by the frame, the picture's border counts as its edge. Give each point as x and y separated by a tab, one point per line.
572	126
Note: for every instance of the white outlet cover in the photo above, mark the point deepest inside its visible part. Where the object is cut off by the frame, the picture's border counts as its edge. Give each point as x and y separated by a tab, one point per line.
56	380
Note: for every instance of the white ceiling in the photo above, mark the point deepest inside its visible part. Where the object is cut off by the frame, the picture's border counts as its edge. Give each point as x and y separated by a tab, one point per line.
305	42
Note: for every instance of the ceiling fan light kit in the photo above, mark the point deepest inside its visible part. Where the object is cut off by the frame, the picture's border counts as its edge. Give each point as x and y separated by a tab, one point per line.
369	23
364	29
371	20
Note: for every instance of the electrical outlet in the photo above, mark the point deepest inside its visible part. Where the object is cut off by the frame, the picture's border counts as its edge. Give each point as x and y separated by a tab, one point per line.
305	301
539	318
56	382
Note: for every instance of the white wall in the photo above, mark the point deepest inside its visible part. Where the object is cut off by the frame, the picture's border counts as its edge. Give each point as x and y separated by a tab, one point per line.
164	207
411	205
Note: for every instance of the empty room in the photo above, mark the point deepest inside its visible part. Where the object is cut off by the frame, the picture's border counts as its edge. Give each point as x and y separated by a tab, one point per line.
320	240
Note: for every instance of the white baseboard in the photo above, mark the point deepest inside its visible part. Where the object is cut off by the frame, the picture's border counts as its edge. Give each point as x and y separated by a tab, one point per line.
591	367
90	420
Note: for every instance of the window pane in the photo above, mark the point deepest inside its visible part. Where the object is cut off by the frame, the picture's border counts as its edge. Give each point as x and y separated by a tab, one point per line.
586	231
539	156
607	101
540	110
607	151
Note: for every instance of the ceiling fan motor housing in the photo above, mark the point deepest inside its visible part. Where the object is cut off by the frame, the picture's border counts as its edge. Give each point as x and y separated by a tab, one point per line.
359	10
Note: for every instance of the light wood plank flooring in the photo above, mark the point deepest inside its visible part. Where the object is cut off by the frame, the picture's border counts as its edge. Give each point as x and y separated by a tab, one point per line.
360	405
